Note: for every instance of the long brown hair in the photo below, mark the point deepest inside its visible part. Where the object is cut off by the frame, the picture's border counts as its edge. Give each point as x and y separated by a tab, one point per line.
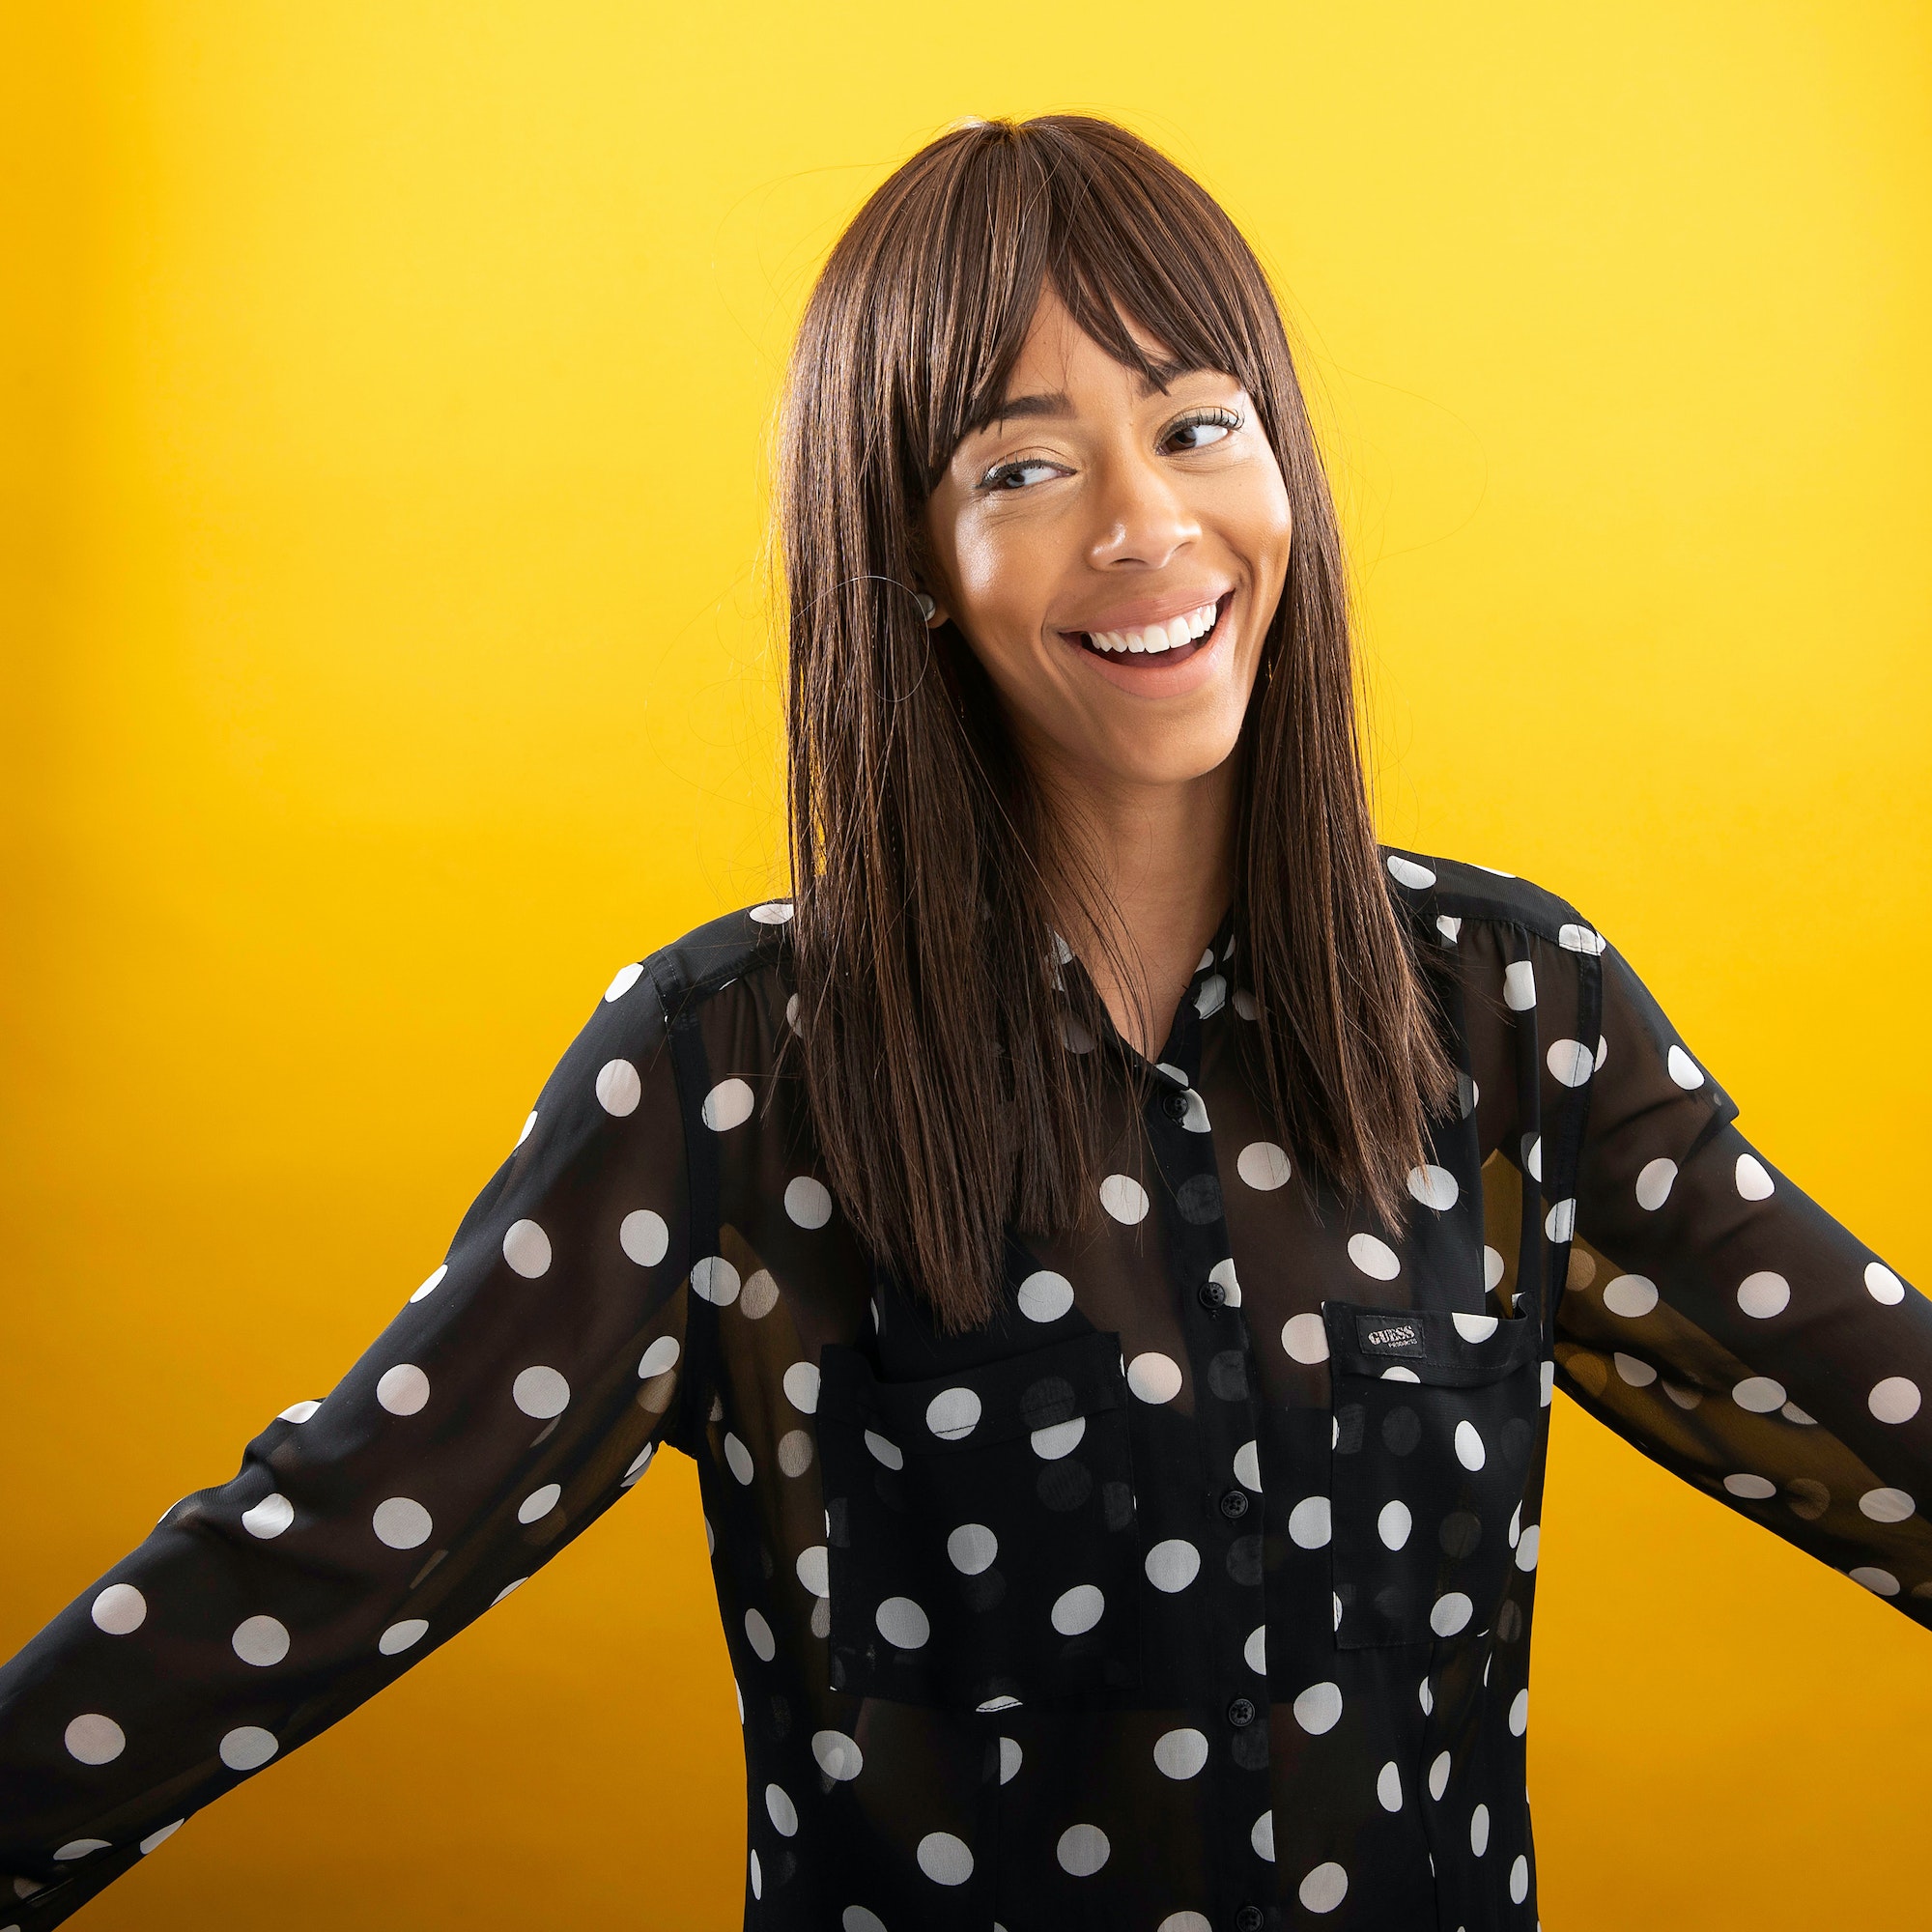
945	1100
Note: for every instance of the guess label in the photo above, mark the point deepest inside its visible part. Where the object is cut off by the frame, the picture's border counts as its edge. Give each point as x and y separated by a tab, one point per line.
1390	1335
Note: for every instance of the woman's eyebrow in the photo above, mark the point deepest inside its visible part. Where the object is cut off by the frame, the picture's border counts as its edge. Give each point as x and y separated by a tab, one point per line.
1057	405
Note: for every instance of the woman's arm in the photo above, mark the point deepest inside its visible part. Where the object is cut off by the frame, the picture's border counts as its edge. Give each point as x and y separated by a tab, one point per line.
1720	1320
517	1394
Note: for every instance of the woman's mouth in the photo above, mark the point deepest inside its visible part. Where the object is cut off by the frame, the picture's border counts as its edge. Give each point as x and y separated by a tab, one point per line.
1158	645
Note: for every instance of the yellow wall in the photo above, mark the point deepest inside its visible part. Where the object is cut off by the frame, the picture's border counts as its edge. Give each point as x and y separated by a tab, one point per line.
385	664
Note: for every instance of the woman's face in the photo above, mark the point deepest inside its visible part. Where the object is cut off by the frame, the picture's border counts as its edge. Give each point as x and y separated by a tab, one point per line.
1113	554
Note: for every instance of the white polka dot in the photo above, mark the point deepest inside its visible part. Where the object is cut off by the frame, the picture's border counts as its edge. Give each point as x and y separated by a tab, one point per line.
1753	1182
1263	1165
759	1635
627	978
800	1383
247	1747
1532	1155
517	1583
1172	1564
78	1848
1764	1294
300	1411
1791	1413
431	1286
943	1859
1179	1754
1045	1297
1406	872
757	1877
1248	1464
1575	938
1494	1267
93	1738
837	1755
1305	1339
1309	1523
952	1414
1759	1394
1010	1759
1323	1889
402	1637
1439	1777
403	1389
813	1569
1058	1439
1881	1582
1470	1450
1211	997
1683	1070
1882	1284
737	1458
1894	1400
1400	1374
269	1516
1881	1505
1526	1548
1561	1223
153	1842
1633	1370
1388	1787
1254	1653
1082	1850
1077	1610
540	1393
1630	1295
1467	1095
808	1201
902	1623
1479	1829
1519	1713
1393	1524
1519	985
261	1641
540	1501
715	1280
1375	1259
884	1451
618	1088
1450	928
644	1236
727	1105
1433	1186
120	1609
1449	1613
1753	1488
1155	1376
524	1132
1475	1328
972	1547
1547	1377
1261	1835
401	1523
1570	1062
526	1249
783	1813
1520	1880
1319	1709
774	912
1124	1199
1654	1181
1244	1003
660	1356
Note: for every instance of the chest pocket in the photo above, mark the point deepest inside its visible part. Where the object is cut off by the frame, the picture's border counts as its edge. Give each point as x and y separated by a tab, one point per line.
1435	1424
981	1534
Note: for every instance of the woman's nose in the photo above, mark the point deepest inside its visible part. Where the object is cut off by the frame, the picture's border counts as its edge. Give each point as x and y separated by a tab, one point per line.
1143	521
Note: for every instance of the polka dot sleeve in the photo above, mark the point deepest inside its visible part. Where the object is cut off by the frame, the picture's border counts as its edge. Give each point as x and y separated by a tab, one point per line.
519	1391
1720	1320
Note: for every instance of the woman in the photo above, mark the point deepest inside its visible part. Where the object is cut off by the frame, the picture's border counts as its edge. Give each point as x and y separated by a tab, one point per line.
1108	1244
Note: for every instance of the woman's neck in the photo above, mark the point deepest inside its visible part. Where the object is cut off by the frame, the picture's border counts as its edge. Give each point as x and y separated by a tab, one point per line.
1154	866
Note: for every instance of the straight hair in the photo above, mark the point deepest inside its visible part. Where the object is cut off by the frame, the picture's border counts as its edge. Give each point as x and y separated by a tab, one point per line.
945	1100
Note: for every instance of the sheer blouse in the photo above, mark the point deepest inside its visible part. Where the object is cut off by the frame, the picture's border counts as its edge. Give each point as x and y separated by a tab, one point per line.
1193	1594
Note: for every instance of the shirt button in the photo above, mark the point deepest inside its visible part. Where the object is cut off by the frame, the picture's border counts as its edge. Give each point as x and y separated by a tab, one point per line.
1212	1295
1174	1106
1233	1504
1241	1712
1250	1919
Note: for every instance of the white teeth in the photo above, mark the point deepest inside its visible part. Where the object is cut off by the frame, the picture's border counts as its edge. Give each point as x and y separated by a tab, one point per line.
1154	639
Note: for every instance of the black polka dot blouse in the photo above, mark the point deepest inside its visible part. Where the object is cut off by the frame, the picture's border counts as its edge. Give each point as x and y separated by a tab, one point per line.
1194	1593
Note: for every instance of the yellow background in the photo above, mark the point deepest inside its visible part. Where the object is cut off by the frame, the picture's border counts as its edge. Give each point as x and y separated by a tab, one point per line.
385	664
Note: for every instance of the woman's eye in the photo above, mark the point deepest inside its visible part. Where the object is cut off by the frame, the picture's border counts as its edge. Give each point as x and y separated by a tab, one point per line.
1019	475
1198	431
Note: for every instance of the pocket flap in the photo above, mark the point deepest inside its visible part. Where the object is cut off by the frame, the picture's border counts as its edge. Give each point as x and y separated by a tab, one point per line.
1427	1345
991	1403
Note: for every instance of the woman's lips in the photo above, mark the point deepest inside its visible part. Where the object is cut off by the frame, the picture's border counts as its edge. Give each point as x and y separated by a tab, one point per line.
1156	646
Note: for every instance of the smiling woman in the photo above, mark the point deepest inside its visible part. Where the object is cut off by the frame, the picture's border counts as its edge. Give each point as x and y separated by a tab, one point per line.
1109	1242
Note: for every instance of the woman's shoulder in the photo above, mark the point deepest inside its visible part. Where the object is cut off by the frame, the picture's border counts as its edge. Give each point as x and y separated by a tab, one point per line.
1439	889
